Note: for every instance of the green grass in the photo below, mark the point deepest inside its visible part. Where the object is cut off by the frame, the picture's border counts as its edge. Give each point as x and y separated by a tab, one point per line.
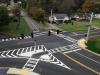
80	26
77	26
94	44
11	29
96	23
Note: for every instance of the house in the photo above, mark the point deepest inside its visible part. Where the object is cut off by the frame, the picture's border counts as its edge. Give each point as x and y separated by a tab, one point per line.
81	16
59	18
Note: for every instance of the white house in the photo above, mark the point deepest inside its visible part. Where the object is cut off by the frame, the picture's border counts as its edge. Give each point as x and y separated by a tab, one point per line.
57	18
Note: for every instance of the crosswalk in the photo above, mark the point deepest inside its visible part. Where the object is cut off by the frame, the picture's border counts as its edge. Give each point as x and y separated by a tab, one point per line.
22	52
66	49
68	38
16	38
31	64
25	37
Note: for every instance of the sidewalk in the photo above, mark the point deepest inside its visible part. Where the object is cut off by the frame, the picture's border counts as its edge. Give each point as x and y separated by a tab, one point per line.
31	23
82	44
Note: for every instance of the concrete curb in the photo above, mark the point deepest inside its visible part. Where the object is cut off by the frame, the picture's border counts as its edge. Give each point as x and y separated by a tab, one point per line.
84	47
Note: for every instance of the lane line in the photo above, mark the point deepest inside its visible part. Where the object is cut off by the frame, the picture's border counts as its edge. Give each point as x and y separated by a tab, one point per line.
92	70
88	58
92	52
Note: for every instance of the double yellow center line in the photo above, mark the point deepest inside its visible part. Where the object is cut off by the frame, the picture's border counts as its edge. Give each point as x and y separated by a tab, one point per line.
92	70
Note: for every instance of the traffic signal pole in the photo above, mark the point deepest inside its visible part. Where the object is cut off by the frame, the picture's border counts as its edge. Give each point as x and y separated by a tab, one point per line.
89	28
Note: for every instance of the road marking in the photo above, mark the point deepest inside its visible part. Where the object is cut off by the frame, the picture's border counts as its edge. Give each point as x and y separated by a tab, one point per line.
18	51
31	64
94	71
22	50
8	53
75	33
52	59
87	57
13	54
65	37
72	51
92	52
3	53
26	50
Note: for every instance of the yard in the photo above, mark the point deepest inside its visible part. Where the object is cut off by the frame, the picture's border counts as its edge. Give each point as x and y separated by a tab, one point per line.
80	26
12	31
94	44
96	23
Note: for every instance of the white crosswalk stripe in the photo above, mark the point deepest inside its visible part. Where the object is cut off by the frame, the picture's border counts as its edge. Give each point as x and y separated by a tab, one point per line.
55	61
65	49
74	46
67	38
72	51
55	50
26	37
31	64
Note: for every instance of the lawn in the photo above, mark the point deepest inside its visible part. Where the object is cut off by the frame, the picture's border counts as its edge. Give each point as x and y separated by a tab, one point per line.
94	44
96	23
12	31
78	26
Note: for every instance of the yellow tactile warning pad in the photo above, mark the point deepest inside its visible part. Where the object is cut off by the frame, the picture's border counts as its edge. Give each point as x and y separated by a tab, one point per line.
82	43
20	72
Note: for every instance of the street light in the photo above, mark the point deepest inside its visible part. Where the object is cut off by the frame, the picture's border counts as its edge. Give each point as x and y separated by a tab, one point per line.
89	28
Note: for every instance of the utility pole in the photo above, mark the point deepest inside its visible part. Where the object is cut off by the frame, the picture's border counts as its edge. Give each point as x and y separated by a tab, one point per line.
19	13
51	18
89	28
51	12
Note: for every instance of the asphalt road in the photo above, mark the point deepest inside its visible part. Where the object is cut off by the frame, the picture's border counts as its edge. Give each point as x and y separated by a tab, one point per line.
81	62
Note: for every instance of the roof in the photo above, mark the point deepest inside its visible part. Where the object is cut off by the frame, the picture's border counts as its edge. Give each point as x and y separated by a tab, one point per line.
60	16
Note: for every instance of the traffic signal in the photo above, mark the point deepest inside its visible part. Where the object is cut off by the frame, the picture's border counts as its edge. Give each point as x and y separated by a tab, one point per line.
22	35
32	35
49	33
85	35
58	31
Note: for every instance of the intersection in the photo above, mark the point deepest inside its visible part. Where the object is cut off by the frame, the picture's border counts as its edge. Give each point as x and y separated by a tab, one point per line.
52	55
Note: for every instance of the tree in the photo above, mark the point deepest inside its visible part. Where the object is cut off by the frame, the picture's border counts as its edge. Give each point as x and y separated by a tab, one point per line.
16	11
88	6
37	13
97	7
4	17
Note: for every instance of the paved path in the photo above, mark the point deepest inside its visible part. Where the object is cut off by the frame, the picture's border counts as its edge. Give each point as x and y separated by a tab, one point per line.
31	23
